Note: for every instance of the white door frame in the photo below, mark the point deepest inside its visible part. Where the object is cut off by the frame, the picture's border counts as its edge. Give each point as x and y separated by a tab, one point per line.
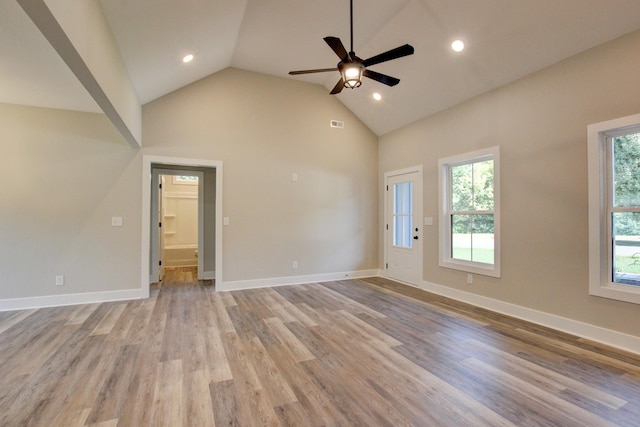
147	161
417	216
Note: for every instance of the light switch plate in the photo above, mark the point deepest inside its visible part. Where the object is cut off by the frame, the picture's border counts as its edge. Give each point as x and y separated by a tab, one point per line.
225	220
116	221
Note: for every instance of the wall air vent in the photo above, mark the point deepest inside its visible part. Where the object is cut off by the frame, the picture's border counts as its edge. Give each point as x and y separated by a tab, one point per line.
337	124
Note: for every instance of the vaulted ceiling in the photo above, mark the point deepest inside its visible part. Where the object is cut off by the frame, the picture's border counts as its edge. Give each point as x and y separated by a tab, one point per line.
505	40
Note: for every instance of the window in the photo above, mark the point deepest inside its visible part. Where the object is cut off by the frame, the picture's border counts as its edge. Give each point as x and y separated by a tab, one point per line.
470	212
185	179
403	214
614	209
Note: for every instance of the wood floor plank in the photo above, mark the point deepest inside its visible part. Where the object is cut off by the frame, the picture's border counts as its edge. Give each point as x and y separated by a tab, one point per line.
364	352
593	356
567	414
219	307
365	330
224	400
15	318
216	358
311	393
109	423
45	350
278	390
138	407
553	381
82	313
167	407
72	418
109	321
297	350
140	324
242	370
114	390
198	410
293	310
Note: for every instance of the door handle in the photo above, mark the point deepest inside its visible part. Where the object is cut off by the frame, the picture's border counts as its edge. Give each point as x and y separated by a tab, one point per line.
415	237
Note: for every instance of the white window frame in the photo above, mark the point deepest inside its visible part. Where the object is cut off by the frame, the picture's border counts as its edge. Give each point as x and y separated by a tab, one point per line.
600	257
444	184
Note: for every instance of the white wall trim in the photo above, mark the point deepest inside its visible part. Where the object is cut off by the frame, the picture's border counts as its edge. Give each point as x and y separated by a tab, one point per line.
208	275
185	246
147	161
294	280
179	195
70	299
585	330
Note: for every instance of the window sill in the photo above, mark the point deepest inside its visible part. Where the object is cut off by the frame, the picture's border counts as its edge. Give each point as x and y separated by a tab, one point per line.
626	293
471	267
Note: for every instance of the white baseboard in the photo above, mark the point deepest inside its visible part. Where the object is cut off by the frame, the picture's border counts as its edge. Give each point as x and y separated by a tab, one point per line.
584	330
294	280
69	299
183	262
208	275
591	332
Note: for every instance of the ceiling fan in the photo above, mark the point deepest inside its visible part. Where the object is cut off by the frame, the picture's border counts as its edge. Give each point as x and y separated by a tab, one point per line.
352	68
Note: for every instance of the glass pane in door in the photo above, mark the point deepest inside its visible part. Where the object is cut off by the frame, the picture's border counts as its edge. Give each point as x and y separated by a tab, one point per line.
403	214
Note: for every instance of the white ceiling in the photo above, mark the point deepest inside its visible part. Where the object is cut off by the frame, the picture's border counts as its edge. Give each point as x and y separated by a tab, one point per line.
505	39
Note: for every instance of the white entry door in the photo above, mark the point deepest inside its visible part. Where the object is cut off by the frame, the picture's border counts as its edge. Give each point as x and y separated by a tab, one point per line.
403	228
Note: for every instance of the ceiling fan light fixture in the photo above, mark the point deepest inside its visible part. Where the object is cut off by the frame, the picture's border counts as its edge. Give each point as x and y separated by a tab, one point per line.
352	69
351	73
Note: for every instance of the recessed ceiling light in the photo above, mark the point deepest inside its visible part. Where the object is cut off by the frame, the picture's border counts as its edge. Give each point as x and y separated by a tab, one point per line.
457	45
187	58
377	96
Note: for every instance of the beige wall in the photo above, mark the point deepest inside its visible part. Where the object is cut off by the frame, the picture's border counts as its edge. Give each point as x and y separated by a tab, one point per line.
71	172
68	174
265	129
539	123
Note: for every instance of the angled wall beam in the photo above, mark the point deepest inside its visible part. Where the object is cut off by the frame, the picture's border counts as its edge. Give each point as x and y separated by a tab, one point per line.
98	66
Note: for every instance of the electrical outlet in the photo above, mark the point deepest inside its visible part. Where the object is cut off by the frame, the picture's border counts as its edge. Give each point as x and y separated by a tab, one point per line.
294	265
59	280
469	278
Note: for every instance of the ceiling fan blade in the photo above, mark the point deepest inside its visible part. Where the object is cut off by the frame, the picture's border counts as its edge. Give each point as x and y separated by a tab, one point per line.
337	46
382	78
398	52
338	87
319	70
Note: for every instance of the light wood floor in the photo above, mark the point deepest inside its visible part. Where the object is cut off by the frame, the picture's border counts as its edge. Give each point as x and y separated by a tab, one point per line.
355	352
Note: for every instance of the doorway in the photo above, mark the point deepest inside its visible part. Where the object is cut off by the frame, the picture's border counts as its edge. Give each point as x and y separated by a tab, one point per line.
209	245
403	228
180	220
